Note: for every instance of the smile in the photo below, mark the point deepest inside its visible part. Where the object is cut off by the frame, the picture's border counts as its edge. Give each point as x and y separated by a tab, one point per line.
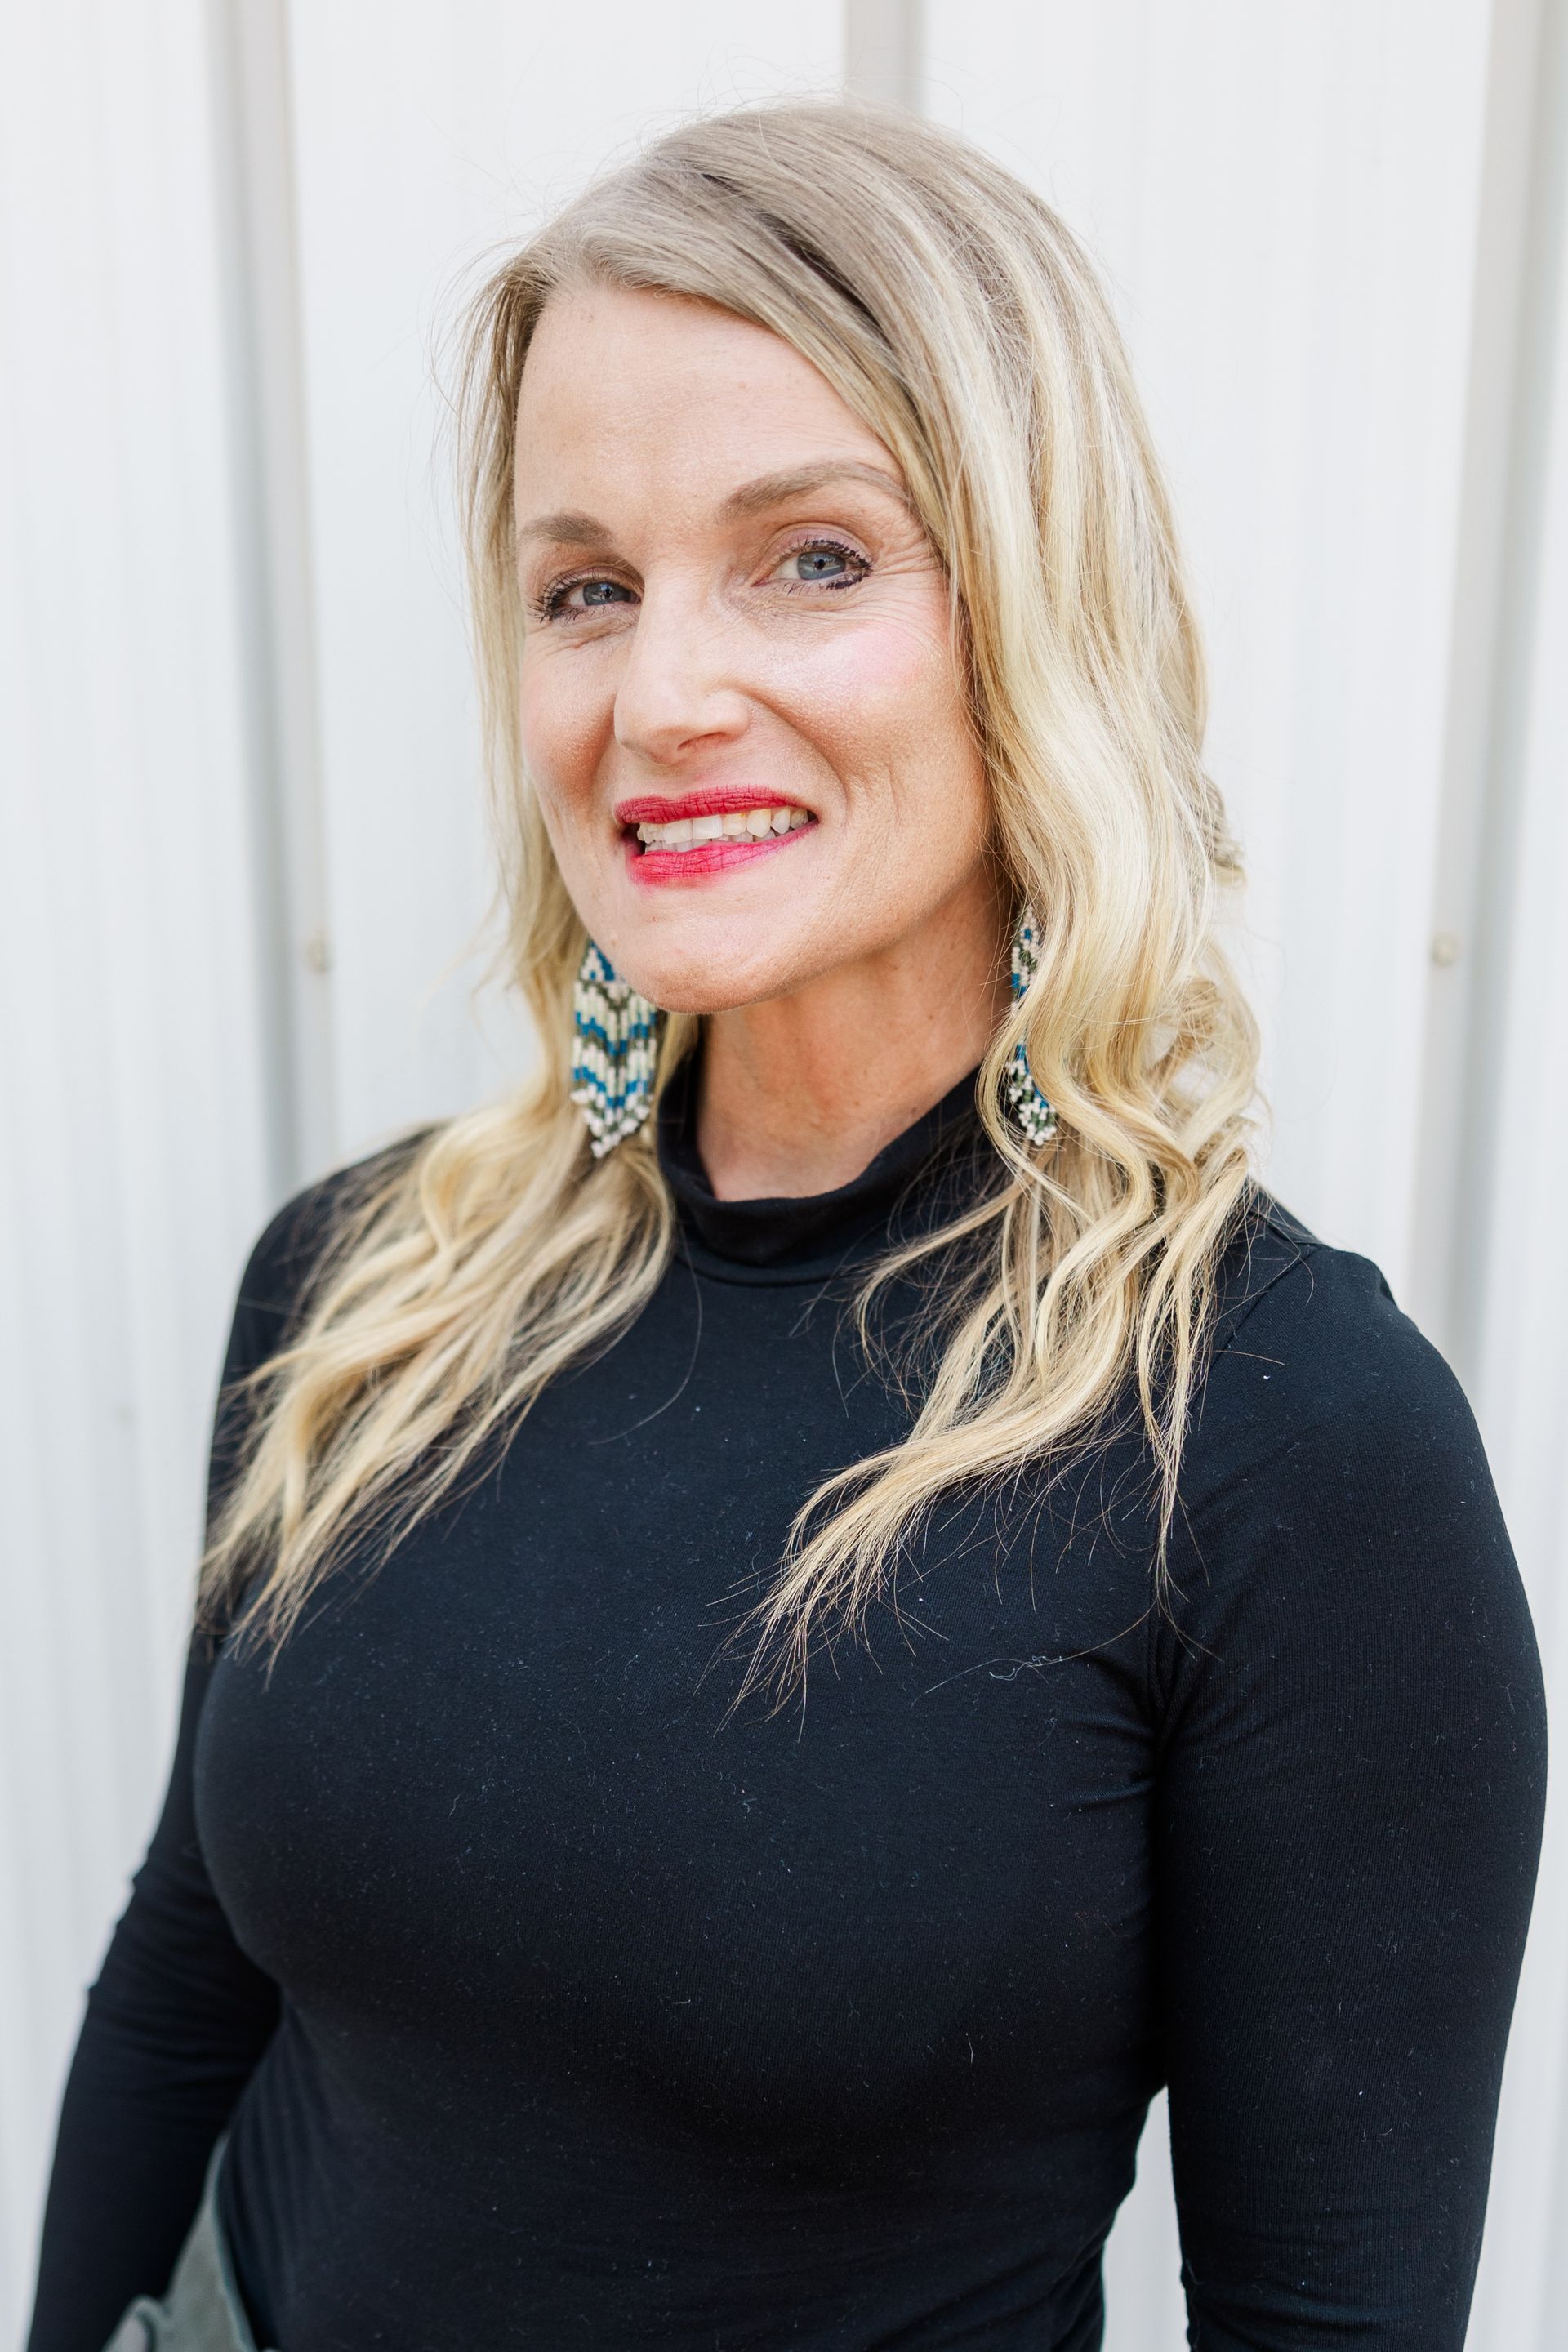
684	834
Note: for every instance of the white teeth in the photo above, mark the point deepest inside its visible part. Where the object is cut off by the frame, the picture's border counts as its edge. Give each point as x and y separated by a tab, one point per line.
734	824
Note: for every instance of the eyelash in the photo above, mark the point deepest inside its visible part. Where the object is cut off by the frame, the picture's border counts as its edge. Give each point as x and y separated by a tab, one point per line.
820	543
551	604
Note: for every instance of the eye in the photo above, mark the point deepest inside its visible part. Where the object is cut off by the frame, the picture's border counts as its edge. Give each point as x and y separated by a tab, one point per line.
564	597
823	563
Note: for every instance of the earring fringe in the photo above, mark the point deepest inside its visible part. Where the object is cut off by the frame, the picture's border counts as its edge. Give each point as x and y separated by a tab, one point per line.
1030	1108
617	1053
617	1035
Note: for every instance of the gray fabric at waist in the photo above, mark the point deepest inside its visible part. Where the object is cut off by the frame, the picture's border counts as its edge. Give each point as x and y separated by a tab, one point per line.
202	2311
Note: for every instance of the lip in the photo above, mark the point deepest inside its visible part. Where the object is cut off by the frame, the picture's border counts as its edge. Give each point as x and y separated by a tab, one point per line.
703	800
654	867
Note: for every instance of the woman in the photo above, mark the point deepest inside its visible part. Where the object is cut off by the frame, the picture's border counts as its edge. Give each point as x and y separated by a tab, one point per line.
799	1618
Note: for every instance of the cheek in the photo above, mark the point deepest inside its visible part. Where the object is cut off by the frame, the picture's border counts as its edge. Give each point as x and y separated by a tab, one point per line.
564	713
890	710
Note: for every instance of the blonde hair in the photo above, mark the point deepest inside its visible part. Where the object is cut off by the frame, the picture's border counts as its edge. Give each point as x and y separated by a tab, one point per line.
959	318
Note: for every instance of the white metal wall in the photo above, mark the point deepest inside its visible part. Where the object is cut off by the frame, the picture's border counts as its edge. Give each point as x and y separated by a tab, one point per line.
242	854
134	1156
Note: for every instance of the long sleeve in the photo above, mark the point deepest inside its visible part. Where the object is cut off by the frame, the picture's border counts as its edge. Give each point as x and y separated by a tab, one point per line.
1349	1819
176	2022
178	2016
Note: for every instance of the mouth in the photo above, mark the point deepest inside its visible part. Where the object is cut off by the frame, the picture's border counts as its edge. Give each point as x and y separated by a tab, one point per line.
704	833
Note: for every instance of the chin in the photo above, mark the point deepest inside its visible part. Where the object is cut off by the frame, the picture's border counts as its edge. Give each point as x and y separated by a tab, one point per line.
704	981
698	989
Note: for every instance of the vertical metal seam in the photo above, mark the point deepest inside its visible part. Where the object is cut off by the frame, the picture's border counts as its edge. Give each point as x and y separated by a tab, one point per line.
884	46
254	167
1496	293
1496	842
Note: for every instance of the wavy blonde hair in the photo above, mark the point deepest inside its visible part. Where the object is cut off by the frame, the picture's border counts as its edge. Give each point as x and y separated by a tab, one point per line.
959	318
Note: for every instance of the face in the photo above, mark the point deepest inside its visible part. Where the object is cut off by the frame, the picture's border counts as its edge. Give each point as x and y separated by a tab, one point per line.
742	705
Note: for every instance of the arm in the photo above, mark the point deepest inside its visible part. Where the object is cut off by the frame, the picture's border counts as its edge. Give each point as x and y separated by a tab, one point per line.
174	2026
178	2016
1348	1822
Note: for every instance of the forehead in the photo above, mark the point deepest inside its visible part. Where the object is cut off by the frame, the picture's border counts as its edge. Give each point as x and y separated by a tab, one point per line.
625	393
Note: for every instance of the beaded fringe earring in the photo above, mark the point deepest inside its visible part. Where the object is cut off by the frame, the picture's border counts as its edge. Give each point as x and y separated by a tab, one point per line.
618	1035
1033	1112
616	1052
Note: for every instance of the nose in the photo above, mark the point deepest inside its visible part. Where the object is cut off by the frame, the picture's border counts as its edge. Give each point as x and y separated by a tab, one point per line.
676	690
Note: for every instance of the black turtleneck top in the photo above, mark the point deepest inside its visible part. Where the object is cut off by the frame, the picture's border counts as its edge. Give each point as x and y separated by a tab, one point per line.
549	2003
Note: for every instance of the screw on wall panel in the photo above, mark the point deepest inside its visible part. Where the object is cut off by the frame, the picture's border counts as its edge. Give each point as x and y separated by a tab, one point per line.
1447	948
316	952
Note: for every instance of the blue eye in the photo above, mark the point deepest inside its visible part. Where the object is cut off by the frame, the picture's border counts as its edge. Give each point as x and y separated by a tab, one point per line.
822	564
565	598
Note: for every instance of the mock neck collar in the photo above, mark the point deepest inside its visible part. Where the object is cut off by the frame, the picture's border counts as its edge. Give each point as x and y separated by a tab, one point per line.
929	1173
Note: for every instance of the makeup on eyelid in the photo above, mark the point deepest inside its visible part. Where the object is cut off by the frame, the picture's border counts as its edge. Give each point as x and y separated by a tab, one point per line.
551	604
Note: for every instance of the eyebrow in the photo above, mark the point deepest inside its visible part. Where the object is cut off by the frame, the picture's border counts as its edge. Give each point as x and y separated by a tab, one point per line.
566	529
797	481
570	529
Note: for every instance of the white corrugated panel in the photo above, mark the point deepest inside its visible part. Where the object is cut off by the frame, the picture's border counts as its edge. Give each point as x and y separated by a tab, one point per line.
131	1175
1521	1392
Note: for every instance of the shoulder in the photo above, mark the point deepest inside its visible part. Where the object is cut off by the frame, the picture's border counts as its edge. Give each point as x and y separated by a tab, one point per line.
1309	1338
1333	1452
299	1241
1341	1575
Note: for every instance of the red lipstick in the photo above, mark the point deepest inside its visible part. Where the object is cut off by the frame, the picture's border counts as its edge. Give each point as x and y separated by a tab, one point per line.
709	858
703	800
699	861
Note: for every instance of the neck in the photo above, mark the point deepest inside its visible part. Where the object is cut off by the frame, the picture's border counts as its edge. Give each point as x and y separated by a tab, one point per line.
800	1092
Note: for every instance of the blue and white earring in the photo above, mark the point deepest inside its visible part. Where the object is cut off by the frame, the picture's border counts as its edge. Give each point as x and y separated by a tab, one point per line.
1032	1111
615	1054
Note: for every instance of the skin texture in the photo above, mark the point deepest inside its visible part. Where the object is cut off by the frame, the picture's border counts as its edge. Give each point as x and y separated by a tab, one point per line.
728	593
